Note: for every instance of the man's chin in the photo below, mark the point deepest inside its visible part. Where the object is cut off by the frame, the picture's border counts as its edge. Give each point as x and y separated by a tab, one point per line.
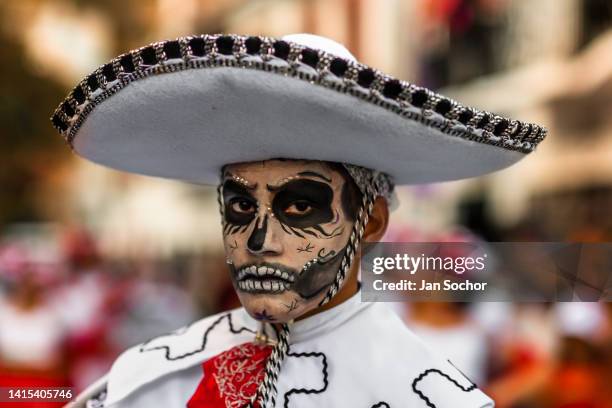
277	307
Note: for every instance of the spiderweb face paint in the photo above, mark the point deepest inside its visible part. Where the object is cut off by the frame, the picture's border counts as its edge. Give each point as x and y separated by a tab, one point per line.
285	228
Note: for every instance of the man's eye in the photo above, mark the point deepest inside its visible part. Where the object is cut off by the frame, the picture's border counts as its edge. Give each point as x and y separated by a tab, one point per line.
299	208
243	206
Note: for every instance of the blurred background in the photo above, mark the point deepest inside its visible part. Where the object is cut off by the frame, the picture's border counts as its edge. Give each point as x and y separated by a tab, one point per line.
93	261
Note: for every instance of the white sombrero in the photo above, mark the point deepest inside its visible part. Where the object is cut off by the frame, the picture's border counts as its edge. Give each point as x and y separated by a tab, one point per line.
184	108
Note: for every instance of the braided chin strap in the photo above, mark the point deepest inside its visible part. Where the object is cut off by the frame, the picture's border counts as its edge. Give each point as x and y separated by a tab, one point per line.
266	392
372	184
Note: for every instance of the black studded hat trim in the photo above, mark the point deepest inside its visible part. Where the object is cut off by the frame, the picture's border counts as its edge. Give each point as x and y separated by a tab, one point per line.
301	63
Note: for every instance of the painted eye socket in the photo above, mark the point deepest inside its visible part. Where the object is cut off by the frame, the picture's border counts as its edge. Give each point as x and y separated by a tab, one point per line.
242	206
299	208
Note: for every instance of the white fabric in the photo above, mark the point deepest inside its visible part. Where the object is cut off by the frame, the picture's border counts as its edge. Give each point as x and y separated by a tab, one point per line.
465	344
90	392
188	124
370	357
320	43
174	390
177	351
30	338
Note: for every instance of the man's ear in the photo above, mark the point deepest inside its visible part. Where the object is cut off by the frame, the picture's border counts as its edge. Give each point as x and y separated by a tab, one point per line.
378	221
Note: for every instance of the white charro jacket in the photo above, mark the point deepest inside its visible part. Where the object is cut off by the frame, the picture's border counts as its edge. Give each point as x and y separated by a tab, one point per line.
353	355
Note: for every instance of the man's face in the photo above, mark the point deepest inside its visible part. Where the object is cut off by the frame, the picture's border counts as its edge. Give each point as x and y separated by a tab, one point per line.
285	228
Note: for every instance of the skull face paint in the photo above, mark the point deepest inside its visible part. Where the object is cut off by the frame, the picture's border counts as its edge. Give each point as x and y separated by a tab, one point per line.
285	226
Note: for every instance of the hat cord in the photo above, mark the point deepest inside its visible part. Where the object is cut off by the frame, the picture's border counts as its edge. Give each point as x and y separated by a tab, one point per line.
267	388
367	204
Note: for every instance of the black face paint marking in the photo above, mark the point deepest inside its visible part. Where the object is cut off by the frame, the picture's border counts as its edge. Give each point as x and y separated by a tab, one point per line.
314	234
291	307
327	235
233	270
303	203
306	248
325	257
264	316
285	229
336	217
239	180
230	229
239	206
350	198
321	233
318	276
235	229
315	175
258	236
233	246
296	232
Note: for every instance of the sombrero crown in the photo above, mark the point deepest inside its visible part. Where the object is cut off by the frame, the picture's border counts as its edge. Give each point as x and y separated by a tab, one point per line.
184	108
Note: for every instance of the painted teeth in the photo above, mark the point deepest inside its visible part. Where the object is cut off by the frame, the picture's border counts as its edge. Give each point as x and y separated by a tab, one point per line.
264	271
275	286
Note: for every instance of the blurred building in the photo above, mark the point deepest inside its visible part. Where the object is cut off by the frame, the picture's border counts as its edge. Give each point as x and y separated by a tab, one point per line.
547	61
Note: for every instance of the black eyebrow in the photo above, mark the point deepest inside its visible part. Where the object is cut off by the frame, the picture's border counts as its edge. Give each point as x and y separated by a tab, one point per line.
272	188
231	186
239	181
310	173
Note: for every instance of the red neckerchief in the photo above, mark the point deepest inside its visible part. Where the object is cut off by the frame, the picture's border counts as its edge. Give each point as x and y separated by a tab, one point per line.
232	377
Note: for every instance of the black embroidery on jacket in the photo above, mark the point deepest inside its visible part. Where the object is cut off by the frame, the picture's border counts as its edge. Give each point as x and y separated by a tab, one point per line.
304	390
97	401
168	355
452	380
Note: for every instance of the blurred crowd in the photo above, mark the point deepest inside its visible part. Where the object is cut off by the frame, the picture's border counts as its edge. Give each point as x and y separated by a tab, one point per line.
65	315
525	355
67	311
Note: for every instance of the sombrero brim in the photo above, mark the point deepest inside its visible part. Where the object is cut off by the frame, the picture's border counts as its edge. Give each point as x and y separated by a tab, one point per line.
182	109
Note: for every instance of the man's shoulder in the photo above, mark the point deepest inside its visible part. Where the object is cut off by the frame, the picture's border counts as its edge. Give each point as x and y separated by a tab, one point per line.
421	373
199	339
170	353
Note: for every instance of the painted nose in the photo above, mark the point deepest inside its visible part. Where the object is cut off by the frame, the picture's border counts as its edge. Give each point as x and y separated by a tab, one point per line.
262	239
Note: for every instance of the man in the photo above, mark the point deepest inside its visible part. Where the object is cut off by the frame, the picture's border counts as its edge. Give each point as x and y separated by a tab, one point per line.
304	144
